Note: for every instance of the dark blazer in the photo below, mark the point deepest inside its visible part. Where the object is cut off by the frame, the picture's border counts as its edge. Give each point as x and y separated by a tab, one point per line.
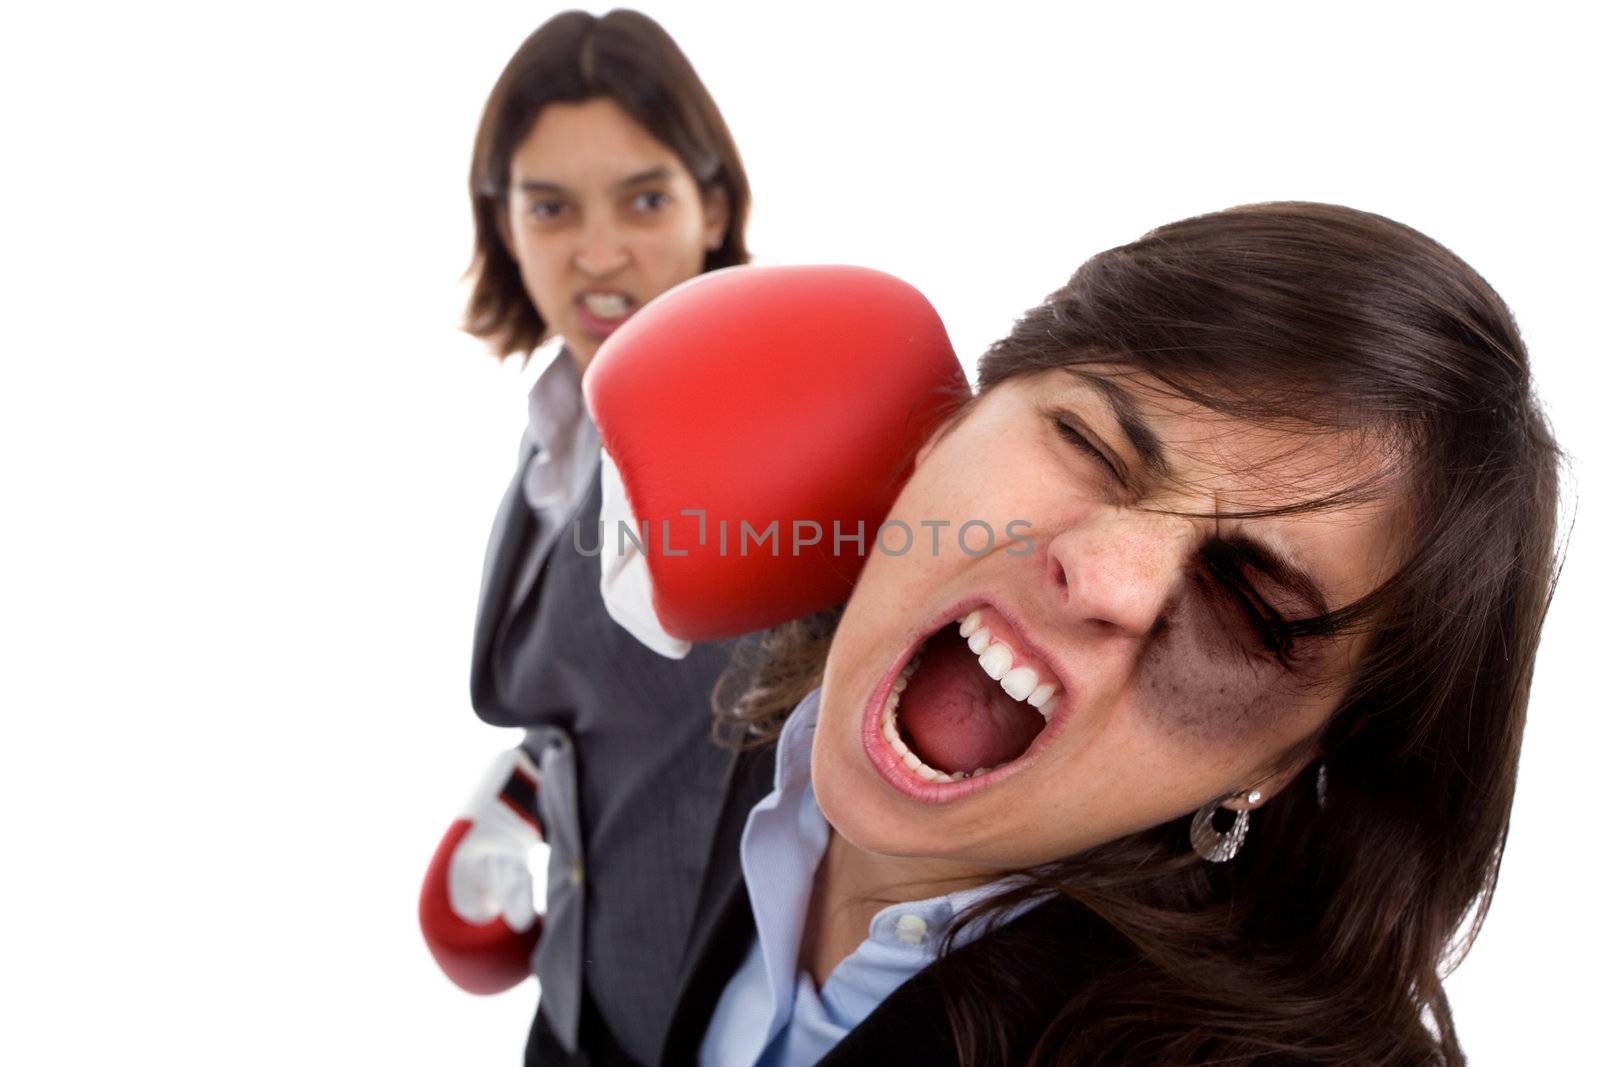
910	1026
1032	964
626	734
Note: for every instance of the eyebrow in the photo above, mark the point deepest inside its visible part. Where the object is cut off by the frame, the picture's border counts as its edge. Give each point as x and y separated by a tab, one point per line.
654	174
1153	457
1146	445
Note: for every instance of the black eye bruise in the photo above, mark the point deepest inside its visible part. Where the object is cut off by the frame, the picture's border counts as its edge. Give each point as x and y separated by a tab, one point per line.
1222	568
1221	572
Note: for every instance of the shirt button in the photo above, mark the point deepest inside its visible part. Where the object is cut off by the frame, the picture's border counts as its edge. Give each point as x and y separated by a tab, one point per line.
911	929
575	873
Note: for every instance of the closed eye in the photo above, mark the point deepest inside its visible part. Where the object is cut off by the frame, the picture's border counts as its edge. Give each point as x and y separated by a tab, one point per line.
1223	565
1075	437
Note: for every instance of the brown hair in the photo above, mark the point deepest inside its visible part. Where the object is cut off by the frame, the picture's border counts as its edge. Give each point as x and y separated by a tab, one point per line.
575	56
1325	939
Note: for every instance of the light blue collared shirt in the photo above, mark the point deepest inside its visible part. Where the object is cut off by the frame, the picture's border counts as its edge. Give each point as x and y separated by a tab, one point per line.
771	1014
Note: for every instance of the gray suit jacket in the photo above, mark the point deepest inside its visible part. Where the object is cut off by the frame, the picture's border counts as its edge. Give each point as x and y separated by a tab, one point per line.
632	783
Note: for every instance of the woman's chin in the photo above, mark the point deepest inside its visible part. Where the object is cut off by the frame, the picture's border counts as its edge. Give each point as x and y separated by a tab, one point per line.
872	816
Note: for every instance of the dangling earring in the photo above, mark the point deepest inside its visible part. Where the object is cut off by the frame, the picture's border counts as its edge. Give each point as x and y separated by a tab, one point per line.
1215	847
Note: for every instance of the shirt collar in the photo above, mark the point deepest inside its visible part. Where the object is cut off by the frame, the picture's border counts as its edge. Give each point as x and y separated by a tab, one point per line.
792	769
563	437
556	399
770	1011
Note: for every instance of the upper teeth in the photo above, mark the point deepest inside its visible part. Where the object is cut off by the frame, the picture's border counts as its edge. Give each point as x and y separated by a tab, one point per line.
998	662
996	659
606	305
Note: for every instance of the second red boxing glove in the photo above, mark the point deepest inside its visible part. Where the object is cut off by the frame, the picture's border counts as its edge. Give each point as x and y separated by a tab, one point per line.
477	905
763	420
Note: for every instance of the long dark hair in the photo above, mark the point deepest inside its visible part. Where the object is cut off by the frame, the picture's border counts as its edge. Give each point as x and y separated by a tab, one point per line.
1366	879
575	56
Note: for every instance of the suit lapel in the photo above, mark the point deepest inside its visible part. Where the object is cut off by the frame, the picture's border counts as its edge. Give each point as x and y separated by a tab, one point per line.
514	526
585	515
720	934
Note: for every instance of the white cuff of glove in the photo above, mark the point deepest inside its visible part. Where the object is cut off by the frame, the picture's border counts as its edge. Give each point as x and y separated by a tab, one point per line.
493	870
624	574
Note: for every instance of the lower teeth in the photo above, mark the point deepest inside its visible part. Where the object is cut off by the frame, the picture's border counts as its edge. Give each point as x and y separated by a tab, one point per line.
910	759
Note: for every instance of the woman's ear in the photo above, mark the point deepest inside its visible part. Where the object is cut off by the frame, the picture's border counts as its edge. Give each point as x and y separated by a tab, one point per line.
714	206
1272	786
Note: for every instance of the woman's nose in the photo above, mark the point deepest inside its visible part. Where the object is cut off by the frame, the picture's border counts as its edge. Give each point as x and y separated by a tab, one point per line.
602	249
1116	571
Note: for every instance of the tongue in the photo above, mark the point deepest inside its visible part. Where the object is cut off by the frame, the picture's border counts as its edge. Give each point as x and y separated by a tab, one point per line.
955	717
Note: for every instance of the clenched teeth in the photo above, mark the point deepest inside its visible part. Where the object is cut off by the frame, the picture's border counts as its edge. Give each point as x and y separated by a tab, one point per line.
1019	681
606	305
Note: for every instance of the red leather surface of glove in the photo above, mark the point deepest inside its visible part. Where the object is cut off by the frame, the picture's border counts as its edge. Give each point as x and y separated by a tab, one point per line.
479	957
786	395
476	908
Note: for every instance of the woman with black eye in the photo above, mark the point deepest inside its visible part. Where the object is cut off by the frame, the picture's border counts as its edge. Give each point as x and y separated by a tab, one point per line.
1213	762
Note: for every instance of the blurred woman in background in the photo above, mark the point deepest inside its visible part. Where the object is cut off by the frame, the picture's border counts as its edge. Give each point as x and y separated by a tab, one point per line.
603	174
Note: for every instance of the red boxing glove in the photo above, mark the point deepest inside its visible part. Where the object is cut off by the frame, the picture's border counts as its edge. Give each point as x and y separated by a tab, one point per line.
476	908
763	419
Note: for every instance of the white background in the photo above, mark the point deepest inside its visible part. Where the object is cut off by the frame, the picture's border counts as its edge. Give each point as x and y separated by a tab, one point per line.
250	464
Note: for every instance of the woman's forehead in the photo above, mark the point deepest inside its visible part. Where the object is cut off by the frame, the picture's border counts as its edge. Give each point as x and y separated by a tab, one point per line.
592	142
1267	459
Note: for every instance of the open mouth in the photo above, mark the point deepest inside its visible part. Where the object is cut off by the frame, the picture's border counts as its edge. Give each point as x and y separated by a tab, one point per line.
969	701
